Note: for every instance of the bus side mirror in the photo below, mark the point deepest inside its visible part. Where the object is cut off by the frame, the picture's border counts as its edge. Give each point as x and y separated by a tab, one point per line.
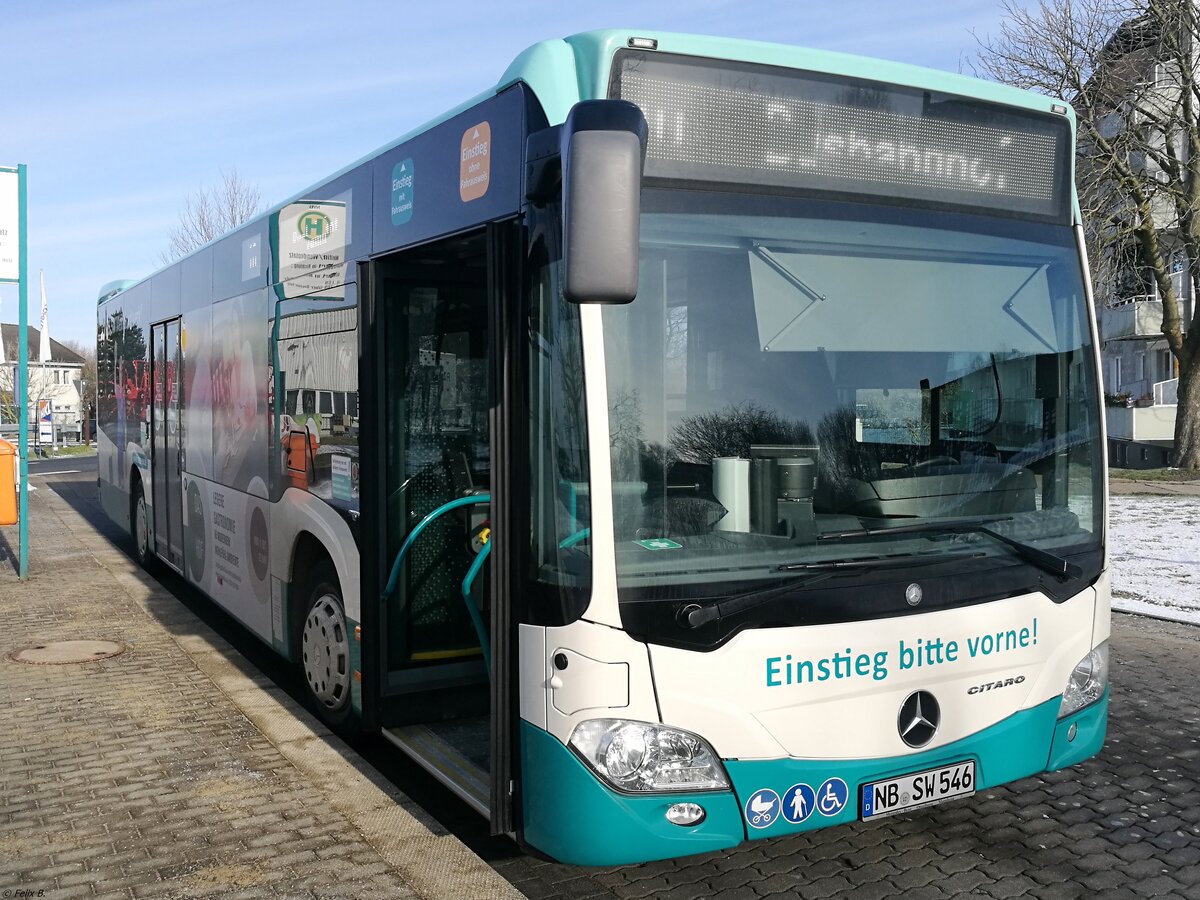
603	147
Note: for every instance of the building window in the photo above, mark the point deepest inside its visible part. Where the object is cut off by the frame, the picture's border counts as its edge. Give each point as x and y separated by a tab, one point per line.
1141	366
57	376
1116	368
1165	364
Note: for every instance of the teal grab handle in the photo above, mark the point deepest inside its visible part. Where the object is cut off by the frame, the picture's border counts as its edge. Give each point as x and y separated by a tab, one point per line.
571	540
397	565
476	619
572	499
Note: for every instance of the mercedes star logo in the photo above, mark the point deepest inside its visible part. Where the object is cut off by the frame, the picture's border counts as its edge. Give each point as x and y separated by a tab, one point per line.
919	718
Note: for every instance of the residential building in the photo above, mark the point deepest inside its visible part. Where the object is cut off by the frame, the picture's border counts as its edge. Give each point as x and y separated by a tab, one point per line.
1140	373
58	380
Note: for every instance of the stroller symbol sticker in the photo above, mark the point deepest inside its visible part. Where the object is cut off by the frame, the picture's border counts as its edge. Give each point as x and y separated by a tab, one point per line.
762	808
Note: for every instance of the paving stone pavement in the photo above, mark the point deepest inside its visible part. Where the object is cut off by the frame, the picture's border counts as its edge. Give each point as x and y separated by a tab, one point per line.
175	769
136	777
1123	825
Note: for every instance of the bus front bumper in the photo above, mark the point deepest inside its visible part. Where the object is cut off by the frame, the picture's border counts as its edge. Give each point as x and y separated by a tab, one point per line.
572	817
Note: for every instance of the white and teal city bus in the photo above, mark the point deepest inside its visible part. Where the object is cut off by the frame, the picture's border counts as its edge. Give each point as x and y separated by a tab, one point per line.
685	442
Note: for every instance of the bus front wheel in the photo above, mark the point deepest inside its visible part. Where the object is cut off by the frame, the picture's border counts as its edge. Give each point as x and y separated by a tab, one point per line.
139	528
324	650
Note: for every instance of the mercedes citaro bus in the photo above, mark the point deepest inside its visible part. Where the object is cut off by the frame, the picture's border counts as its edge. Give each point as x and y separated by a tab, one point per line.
684	442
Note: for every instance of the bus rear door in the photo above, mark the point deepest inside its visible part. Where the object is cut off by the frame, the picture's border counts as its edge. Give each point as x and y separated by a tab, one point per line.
166	453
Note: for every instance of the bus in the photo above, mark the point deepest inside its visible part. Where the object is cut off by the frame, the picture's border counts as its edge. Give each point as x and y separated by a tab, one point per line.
685	442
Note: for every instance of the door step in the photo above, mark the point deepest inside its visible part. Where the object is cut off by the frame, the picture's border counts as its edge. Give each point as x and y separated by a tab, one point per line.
431	748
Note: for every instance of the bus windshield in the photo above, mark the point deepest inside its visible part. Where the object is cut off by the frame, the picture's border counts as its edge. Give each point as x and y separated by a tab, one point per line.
797	378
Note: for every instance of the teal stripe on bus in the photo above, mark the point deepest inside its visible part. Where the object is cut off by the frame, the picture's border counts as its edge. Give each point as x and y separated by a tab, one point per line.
576	819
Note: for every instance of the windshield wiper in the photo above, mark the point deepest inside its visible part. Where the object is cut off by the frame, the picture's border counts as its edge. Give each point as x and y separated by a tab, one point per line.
1044	560
871	562
694	614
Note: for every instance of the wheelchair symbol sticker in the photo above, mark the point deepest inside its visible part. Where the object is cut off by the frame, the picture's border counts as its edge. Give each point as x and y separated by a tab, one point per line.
762	808
831	796
798	803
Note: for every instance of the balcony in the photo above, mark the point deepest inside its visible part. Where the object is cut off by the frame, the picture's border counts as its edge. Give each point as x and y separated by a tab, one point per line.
1133	317
1141	423
1166	393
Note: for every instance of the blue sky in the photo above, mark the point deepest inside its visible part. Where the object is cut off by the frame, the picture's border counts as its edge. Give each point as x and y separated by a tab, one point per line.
122	108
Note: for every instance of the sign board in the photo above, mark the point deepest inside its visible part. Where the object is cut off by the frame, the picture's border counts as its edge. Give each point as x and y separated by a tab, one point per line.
310	248
45	410
10	237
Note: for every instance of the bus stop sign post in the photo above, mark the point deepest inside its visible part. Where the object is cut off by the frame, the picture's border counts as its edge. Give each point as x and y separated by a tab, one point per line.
22	279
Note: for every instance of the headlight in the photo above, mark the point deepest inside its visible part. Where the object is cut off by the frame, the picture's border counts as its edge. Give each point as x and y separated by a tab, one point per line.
1087	682
639	756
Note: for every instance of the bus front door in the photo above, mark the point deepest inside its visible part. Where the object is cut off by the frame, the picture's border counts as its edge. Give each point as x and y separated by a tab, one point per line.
166	454
433	462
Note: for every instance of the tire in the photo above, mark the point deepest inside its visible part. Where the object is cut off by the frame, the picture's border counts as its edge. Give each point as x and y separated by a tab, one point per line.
139	529
323	651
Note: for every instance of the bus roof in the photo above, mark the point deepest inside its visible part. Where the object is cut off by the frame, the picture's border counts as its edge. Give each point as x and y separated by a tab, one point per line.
563	71
589	54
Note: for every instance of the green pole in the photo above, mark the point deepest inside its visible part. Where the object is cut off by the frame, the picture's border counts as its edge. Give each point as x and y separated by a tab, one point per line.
22	375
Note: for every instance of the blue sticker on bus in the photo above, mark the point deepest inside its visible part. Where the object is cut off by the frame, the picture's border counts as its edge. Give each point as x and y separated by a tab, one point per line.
832	796
402	191
762	808
798	803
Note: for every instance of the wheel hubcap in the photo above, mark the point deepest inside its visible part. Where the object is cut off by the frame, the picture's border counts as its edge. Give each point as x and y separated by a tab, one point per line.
143	533
326	653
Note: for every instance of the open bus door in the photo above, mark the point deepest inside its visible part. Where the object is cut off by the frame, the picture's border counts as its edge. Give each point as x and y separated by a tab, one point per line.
436	601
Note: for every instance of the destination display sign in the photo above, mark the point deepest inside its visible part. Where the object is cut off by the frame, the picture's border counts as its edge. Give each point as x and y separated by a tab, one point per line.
745	124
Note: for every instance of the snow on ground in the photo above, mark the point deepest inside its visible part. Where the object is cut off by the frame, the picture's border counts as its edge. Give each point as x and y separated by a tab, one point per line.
1154	555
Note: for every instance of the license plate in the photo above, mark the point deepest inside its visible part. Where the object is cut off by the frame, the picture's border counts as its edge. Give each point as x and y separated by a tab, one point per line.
886	798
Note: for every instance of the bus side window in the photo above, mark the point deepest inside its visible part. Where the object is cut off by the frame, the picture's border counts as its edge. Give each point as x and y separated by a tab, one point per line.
316	359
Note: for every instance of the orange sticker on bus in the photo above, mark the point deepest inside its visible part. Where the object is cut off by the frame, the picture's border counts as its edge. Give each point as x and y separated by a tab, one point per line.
475	162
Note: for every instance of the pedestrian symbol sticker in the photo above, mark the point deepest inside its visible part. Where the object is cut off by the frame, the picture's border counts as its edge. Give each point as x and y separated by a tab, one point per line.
762	808
798	803
831	796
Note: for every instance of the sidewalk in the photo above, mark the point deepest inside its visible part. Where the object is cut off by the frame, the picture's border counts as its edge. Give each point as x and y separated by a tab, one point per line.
174	769
1156	488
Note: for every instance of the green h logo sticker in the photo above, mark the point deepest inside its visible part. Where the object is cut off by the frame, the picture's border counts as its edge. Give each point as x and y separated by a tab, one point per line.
314	225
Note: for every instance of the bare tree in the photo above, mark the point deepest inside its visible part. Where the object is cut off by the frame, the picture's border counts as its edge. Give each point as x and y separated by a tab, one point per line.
731	431
209	213
1129	67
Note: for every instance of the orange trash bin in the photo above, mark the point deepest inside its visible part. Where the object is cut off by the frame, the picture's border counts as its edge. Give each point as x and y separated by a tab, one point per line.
8	483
